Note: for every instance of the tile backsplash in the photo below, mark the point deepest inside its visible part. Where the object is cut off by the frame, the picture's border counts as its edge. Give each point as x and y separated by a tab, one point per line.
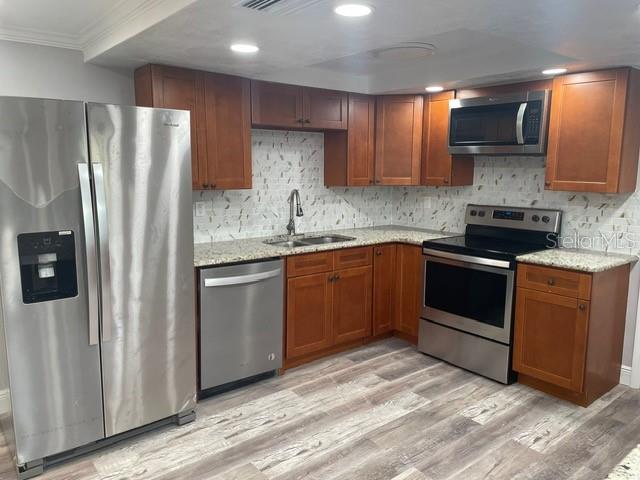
590	220
283	161
286	160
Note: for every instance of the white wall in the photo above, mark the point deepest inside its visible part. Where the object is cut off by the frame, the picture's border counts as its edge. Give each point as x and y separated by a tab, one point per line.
48	72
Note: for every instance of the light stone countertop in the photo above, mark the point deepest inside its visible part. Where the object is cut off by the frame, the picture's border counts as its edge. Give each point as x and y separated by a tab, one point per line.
242	250
591	261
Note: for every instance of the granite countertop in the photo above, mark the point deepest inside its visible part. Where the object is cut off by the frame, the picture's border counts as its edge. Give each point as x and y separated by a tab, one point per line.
576	259
242	250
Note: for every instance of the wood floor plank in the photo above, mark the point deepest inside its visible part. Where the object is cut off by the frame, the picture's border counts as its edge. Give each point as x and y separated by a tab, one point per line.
380	412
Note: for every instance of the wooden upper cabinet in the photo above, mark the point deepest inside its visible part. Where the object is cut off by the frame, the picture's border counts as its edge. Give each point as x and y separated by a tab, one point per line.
220	120
168	87
384	288
349	156
228	128
594	132
352	304
439	167
550	340
276	105
398	139
325	109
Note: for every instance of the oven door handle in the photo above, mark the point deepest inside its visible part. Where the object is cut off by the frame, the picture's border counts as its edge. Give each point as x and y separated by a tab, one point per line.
489	262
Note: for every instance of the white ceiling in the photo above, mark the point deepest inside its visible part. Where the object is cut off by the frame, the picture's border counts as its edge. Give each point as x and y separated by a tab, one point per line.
477	41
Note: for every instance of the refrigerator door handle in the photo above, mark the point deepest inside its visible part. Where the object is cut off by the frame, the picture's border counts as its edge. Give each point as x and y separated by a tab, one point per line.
103	236
90	248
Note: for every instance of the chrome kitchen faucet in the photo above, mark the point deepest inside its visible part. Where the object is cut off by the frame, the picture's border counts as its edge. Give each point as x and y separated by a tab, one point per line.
294	197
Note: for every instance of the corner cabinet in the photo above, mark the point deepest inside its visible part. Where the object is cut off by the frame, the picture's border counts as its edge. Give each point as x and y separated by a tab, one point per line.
594	132
280	105
569	330
439	167
398	139
220	120
349	155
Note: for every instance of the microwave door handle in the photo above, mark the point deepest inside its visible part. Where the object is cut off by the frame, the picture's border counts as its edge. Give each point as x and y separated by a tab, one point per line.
520	123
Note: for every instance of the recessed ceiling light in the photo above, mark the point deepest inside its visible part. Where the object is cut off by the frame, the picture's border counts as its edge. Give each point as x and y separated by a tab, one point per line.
554	71
434	89
244	48
353	10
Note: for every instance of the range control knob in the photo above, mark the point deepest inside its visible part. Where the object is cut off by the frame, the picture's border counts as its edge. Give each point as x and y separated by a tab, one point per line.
546	219
535	218
481	213
473	213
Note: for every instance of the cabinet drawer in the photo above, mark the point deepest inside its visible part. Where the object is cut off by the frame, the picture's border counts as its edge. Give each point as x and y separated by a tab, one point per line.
309	263
353	257
555	280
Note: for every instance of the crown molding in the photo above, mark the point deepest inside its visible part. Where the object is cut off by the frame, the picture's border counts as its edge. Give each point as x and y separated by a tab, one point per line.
39	37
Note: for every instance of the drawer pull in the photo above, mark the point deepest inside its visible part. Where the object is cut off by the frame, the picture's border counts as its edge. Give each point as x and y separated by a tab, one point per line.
551	282
582	307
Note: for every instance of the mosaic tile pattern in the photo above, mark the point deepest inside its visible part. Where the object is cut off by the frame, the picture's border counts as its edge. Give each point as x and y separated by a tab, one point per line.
283	161
591	221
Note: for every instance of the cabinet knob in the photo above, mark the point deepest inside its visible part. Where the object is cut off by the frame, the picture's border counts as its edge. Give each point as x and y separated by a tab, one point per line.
307	121
332	278
378	252
336	277
582	307
205	186
446	180
377	181
300	120
547	183
551	282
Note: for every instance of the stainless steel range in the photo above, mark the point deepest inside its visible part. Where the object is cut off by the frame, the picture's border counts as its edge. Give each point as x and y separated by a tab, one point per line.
467	312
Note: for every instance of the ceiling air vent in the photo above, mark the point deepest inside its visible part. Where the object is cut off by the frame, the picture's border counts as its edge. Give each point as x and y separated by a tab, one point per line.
277	7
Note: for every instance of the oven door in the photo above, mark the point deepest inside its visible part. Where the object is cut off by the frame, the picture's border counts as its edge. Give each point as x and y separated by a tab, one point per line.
469	294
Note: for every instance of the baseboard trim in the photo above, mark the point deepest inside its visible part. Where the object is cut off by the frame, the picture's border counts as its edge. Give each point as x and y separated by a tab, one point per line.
625	375
5	401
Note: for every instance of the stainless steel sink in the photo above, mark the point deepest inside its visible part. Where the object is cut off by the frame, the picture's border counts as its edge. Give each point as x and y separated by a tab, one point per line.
324	239
286	243
305	242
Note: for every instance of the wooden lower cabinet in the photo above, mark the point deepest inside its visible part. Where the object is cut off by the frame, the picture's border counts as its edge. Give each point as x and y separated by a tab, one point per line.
408	305
384	288
352	304
309	311
570	344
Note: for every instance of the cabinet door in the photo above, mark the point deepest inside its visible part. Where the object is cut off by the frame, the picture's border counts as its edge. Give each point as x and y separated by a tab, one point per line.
228	119
309	301
181	89
438	166
325	109
361	140
409	281
586	132
352	290
398	139
550	340
384	283
276	105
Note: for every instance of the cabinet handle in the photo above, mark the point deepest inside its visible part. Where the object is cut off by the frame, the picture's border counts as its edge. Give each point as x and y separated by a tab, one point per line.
331	278
377	181
378	252
582	307
336	278
547	183
307	121
446	180
551	282
205	186
300	120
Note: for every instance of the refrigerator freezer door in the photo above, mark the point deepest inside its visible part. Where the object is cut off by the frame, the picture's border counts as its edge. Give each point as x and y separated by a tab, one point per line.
141	161
54	371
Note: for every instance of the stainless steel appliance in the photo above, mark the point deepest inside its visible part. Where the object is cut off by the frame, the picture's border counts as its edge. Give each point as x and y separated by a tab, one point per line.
467	313
512	124
96	273
241	318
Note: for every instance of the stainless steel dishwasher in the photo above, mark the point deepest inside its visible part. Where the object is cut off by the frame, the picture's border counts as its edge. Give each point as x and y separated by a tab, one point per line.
241	321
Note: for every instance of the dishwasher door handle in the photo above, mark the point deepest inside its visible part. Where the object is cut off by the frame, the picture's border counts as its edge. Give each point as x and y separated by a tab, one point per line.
241	279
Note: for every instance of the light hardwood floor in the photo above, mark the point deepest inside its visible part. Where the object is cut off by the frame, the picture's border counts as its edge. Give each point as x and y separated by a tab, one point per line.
383	411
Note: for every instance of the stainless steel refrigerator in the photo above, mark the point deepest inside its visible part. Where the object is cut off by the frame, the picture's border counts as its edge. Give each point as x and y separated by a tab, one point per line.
96	273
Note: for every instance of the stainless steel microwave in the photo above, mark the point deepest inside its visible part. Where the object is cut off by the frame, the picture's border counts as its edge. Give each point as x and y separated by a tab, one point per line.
501	125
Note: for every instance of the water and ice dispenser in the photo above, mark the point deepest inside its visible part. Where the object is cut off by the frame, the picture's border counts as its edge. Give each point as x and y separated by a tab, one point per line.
47	266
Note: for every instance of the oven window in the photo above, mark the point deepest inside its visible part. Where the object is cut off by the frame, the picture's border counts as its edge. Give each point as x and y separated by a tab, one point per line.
484	125
470	293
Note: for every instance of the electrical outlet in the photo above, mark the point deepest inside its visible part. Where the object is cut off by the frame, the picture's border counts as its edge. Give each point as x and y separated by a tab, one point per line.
201	209
426	203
